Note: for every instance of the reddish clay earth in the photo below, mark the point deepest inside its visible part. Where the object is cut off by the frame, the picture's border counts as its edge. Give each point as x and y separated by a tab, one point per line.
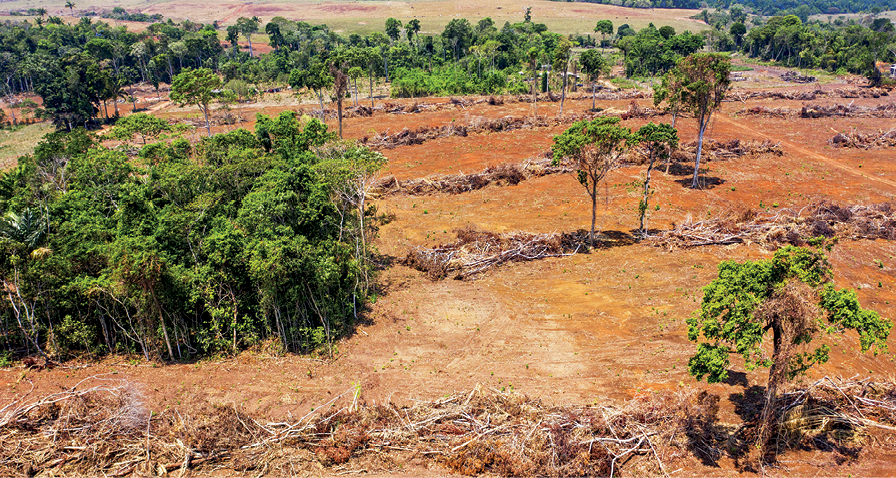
602	326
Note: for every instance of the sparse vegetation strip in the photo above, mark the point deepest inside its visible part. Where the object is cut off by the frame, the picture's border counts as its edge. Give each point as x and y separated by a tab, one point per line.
787	226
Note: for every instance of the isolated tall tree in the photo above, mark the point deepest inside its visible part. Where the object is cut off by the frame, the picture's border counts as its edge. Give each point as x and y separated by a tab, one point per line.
248	27
594	148
704	81
658	140
71	7
534	53
340	85
593	64
197	87
790	297
604	27
413	28
393	28
562	56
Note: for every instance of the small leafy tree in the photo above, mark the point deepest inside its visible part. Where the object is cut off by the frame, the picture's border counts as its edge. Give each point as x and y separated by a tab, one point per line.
594	64
197	87
703	80
147	126
315	78
658	140
790	297
595	148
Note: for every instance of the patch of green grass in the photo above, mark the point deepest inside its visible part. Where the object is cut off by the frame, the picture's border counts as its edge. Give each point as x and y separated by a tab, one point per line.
15	142
623	83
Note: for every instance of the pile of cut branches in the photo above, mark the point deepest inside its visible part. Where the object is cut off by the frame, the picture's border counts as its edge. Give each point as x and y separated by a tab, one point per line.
849	92
864	140
822	111
502	175
849	405
475	252
635	111
786	226
108	430
726	150
407	137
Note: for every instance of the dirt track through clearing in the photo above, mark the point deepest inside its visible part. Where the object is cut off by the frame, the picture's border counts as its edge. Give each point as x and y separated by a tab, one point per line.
803	151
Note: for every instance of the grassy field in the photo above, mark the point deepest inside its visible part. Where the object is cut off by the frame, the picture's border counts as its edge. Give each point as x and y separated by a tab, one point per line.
368	16
20	141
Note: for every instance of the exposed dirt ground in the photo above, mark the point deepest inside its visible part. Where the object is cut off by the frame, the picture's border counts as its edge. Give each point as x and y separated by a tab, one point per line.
601	326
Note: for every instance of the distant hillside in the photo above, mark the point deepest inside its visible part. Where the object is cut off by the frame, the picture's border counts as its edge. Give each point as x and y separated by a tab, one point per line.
764	7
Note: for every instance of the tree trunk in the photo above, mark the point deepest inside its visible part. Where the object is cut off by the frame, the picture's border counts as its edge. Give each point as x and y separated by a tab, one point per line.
593	94
563	90
208	124
703	121
339	95
371	86
249	39
776	377
646	195
593	212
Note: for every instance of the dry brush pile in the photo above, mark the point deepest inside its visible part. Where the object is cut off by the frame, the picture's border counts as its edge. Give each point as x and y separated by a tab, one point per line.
407	137
787	226
108	430
724	150
475	252
390	107
848	92
822	111
876	140
502	175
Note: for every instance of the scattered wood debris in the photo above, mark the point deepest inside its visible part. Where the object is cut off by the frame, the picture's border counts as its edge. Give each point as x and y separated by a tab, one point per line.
786	226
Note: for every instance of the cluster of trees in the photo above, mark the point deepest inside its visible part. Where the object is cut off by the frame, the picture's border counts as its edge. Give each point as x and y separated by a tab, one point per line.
206	248
119	13
762	7
82	69
648	3
811	7
853	48
654	51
